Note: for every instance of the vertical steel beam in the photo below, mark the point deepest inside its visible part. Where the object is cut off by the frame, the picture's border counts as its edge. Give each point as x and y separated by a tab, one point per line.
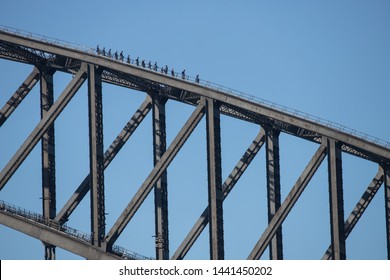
387	207
359	209
336	200
18	96
228	185
160	188
48	155
273	190
95	106
214	180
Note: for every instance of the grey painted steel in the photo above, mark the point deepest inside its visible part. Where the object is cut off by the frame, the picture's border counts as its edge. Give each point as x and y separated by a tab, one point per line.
19	95
228	185
273	189
48	156
387	207
52	236
96	156
109	155
359	209
288	203
42	126
336	201
214	171
160	188
360	146
155	174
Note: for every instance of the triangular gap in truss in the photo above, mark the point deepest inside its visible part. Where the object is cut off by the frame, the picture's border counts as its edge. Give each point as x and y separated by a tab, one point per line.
245	209
304	235
368	238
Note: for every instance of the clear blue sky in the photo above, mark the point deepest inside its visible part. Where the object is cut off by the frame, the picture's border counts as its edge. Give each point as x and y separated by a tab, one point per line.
326	58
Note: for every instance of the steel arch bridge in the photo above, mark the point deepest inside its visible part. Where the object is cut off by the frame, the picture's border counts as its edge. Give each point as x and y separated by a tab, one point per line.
94	67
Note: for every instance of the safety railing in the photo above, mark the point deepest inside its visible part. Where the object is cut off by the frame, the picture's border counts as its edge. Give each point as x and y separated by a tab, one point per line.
40	219
226	90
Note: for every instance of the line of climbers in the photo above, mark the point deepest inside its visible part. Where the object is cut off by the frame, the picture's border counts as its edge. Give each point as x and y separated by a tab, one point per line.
137	62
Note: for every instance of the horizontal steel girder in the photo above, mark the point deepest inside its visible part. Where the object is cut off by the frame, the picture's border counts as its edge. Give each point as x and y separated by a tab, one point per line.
55	237
155	174
351	143
42	126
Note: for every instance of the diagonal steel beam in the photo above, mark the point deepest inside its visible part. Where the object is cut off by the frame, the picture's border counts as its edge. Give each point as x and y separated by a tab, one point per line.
109	155
42	126
19	95
359	209
288	203
161	187
155	174
273	189
228	185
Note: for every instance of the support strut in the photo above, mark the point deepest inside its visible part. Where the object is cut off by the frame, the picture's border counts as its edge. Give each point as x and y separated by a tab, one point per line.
387	207
273	190
95	107
48	156
160	188
336	200
214	181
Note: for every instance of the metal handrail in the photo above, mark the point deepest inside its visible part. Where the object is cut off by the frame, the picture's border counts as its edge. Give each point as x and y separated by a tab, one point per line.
208	84
40	219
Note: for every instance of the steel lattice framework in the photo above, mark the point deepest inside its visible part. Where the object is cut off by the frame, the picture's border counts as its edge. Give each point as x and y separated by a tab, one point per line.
48	56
